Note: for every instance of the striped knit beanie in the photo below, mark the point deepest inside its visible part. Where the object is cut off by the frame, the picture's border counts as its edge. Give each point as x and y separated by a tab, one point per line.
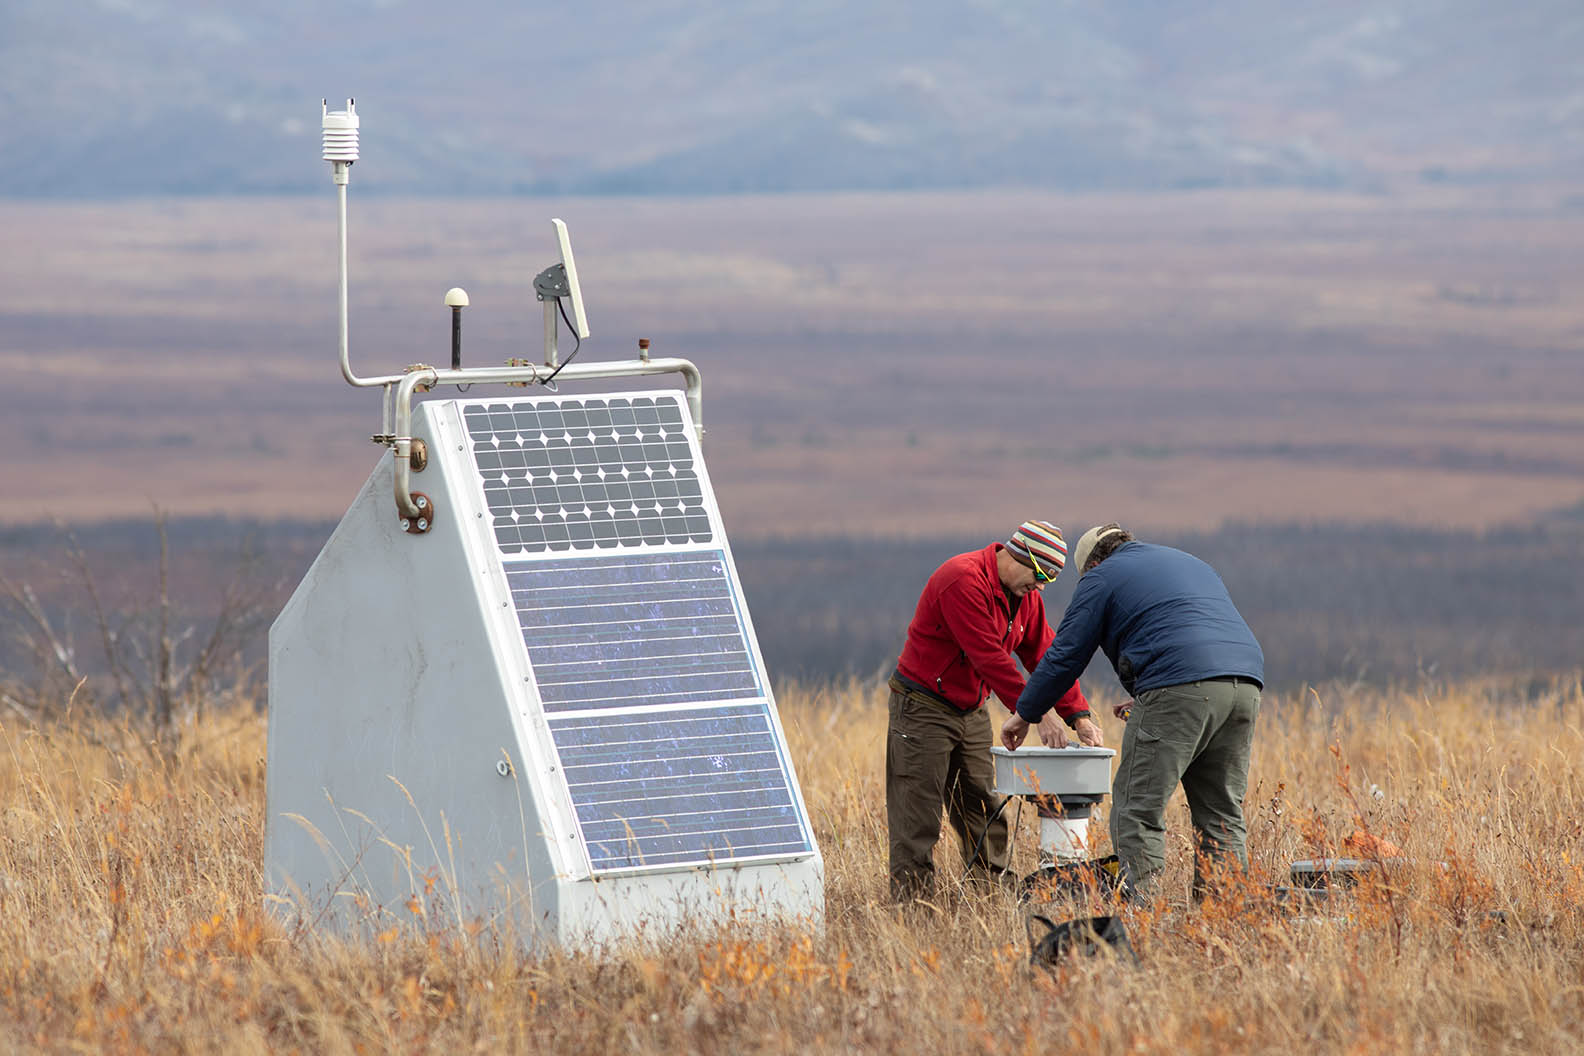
1042	541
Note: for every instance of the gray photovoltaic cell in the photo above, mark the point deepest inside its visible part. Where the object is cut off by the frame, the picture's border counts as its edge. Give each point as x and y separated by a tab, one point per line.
623	630
587	474
679	787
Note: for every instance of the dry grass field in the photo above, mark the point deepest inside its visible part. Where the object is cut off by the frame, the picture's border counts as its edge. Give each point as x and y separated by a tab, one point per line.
130	914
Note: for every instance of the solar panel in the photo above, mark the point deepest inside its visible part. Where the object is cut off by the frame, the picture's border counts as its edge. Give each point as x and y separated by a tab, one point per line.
679	787
635	631
581	474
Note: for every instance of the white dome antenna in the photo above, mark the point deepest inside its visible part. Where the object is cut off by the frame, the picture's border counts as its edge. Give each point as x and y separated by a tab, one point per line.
456	299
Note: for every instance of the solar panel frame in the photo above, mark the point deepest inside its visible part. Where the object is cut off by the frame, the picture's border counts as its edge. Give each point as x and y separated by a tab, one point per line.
513	560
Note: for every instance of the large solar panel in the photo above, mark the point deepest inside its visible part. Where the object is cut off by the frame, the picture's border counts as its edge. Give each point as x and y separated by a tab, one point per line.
635	631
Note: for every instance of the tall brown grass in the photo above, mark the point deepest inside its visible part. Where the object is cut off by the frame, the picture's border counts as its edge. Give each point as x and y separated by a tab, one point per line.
130	912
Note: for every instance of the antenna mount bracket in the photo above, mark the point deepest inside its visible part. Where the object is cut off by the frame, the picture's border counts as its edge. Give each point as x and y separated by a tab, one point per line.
552	283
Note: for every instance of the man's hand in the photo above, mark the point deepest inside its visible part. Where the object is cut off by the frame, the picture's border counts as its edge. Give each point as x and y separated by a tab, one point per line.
1053	731
1122	710
1013	731
1088	732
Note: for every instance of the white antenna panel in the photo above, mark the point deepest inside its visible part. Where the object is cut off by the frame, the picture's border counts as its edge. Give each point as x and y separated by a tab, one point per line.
564	244
552	703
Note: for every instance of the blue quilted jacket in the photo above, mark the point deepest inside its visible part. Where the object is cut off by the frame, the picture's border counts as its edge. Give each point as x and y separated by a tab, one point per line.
1163	618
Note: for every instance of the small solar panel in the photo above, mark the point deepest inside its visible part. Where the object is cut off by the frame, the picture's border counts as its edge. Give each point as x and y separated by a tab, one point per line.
585	474
679	787
633	629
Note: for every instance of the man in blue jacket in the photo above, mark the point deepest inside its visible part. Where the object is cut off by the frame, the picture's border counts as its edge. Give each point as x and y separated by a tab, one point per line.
1195	671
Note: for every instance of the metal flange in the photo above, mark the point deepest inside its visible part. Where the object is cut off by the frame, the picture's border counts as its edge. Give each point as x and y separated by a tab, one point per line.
425	519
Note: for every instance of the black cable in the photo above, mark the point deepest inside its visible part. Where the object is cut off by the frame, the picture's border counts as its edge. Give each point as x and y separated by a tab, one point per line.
979	846
577	344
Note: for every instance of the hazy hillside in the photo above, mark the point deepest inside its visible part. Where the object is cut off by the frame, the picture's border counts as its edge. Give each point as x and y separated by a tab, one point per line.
161	96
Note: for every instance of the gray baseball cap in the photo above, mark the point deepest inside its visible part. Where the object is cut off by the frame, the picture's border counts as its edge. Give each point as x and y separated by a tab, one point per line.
1089	540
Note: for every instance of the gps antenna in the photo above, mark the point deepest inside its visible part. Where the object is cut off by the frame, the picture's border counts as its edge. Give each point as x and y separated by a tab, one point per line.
456	300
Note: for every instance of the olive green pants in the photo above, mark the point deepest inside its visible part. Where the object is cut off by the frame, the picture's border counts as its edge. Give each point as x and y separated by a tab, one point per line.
939	756
1197	734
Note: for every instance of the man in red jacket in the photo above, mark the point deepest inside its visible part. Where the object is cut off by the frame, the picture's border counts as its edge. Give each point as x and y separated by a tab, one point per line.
976	612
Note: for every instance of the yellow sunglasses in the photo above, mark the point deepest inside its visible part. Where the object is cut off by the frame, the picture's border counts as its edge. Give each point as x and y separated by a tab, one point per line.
1040	576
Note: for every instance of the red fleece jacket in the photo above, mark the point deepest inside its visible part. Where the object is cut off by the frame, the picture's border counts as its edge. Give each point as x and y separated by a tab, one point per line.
962	638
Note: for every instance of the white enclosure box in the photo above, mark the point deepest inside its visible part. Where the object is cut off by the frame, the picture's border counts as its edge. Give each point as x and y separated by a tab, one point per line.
1065	783
549	711
1036	770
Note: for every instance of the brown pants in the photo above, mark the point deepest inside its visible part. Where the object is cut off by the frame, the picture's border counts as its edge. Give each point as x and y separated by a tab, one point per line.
939	756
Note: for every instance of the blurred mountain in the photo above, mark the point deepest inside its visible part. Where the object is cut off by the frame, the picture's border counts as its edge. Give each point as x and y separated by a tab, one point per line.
114	97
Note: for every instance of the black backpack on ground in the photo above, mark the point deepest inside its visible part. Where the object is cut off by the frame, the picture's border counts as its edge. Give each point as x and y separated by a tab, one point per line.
1086	935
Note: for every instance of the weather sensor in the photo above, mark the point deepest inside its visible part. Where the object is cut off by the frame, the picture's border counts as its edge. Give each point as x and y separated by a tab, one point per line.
521	678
